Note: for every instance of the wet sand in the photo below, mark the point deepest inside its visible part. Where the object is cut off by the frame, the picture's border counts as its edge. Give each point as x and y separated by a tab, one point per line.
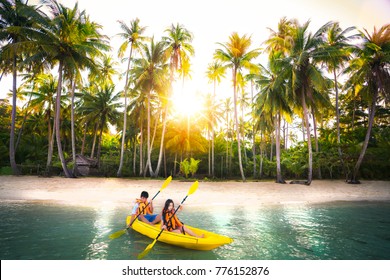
90	191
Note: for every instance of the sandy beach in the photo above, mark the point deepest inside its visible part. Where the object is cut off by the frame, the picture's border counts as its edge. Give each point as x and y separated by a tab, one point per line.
90	191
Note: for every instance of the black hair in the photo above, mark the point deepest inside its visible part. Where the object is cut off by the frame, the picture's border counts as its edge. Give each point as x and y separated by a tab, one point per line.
169	201
165	210
145	194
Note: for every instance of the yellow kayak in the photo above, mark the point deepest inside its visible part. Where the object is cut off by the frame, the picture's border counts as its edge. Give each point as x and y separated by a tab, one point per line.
210	240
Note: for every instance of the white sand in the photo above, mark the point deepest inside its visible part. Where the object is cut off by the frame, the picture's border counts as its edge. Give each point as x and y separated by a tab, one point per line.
86	191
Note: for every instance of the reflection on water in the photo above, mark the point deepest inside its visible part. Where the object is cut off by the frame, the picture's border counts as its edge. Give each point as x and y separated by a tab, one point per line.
98	249
328	231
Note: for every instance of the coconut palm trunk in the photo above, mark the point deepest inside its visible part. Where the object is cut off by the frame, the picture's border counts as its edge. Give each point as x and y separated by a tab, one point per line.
72	128
356	169
51	137
94	139
338	123
149	150
160	156
84	138
119	172
57	121
237	126
279	177
12	152
307	126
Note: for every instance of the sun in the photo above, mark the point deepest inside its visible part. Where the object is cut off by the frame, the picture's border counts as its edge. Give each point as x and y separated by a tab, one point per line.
186	104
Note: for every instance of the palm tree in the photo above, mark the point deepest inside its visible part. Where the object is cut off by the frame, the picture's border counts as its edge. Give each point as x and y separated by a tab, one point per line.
72	45
150	74
104	71
236	55
273	103
18	35
337	51
101	106
178	47
178	50
133	36
227	111
304	75
215	72
370	69
43	99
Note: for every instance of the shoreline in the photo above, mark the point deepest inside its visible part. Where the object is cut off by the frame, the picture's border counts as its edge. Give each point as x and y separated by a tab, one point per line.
92	191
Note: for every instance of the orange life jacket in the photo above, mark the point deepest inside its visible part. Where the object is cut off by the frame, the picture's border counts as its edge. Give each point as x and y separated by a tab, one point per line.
171	223
142	208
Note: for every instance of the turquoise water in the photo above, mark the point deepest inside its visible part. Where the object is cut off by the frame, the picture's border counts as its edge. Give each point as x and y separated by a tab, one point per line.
342	230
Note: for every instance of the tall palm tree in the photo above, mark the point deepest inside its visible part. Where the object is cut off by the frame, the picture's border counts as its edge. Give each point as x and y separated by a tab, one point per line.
102	105
178	47
18	35
43	99
227	111
301	64
70	44
236	54
132	36
215	72
371	69
337	51
150	74
273	103
178	50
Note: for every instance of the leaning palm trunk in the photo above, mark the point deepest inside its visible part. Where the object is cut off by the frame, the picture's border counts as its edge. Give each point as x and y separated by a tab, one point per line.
141	149
84	138
119	173
23	123
57	121
149	150
161	143
100	144
72	129
279	177
209	153
354	179
307	125
213	153
152	143
15	169
134	157
237	127
316	144
51	138
94	139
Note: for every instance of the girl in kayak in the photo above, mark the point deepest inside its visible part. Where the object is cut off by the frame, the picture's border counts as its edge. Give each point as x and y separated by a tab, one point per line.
172	223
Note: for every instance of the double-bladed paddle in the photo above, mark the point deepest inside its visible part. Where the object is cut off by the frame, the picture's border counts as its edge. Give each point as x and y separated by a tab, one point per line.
123	231
193	188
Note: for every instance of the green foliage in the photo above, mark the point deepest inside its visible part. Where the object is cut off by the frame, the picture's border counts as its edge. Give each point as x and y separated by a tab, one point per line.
6	170
185	167
189	167
194	164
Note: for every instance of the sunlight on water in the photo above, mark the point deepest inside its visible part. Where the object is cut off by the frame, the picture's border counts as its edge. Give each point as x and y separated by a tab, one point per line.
98	249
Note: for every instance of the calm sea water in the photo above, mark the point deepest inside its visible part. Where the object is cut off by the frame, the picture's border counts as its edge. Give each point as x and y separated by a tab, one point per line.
343	230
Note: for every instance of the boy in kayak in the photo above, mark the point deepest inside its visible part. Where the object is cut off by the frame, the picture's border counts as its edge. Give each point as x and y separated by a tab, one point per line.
144	210
172	223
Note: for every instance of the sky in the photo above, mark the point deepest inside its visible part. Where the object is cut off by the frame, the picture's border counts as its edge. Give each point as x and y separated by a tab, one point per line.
213	21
